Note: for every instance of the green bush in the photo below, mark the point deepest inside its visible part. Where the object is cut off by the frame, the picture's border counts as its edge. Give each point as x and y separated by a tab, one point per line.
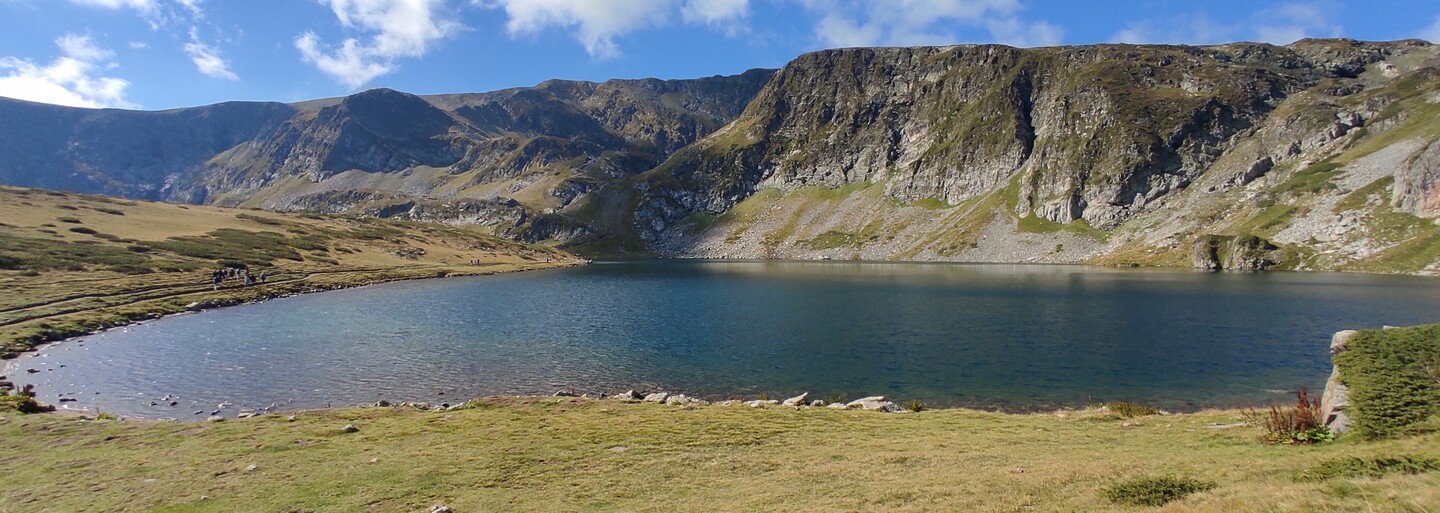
1392	378
914	405
22	404
1350	466
1155	491
1130	410
9	263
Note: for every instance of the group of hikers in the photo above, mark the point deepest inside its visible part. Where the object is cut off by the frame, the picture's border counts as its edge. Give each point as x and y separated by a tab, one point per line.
240	274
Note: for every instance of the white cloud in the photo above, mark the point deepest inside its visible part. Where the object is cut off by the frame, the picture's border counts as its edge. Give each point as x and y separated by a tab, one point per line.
1193	29
82	48
139	5
71	79
207	59
921	22
597	24
397	28
1281	25
714	12
1288	23
1432	32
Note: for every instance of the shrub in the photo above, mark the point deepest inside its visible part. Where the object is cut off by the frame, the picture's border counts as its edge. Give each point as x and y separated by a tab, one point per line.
9	263
110	211
22	404
84	230
1155	491
1126	410
1350	466
1392	375
914	405
70	220
1300	424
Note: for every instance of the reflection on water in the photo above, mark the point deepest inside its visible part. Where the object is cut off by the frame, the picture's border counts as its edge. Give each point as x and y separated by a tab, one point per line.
1013	336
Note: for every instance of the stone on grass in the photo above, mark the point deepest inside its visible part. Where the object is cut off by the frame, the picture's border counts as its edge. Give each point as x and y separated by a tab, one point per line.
215	418
657	397
797	400
837	406
350	428
628	395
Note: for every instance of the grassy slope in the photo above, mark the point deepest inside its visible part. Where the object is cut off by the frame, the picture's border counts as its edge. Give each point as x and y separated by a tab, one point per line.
76	263
562	455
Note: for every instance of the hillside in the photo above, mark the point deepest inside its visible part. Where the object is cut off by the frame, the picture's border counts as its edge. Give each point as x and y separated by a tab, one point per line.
1321	154
73	263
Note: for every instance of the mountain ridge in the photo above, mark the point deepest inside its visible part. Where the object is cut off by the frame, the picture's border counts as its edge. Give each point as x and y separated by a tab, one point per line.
1137	154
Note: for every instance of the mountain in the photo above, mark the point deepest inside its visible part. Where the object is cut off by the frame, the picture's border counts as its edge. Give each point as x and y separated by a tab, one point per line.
1322	154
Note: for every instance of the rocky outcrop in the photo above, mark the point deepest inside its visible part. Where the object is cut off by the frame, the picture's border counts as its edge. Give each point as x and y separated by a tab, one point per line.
1336	398
1417	182
1243	253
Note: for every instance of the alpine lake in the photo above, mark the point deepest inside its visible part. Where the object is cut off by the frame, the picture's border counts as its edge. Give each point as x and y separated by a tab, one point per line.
1012	337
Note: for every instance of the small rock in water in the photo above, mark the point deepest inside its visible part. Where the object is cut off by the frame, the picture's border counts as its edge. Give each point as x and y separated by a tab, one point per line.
350	428
200	412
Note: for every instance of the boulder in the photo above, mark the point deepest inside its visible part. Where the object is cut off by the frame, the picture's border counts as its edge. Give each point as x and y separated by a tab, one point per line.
1336	398
758	403
798	400
563	393
382	404
817	403
837	406
350	428
628	395
657	397
215	418
875	403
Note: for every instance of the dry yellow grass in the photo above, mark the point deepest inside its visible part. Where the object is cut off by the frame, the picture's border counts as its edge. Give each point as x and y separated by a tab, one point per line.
542	454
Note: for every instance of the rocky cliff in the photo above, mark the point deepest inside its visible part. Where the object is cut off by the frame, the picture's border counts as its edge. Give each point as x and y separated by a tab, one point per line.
1318	155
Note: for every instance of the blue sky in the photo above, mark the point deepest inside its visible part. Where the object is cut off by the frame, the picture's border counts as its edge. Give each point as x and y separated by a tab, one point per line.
157	54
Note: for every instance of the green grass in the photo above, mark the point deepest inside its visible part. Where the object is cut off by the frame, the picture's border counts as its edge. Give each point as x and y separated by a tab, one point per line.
1037	224
1394	380
557	454
1155	491
1374	468
1360	197
1316	178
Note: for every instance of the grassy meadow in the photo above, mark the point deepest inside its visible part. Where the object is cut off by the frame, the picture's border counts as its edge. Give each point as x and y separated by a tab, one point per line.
561	454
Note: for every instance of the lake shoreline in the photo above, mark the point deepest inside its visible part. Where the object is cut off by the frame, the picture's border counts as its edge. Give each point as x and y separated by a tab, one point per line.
260	292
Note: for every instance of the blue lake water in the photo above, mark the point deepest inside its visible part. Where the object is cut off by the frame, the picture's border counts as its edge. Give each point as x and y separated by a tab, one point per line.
998	336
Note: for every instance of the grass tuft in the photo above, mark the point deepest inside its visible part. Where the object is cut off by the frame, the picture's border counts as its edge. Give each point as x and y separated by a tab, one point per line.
1155	491
1377	467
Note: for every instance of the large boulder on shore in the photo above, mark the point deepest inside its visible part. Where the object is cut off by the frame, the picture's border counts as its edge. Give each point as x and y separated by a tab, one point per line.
798	400
874	403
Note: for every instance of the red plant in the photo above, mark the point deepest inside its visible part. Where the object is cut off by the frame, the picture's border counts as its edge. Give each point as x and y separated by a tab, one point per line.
1299	424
